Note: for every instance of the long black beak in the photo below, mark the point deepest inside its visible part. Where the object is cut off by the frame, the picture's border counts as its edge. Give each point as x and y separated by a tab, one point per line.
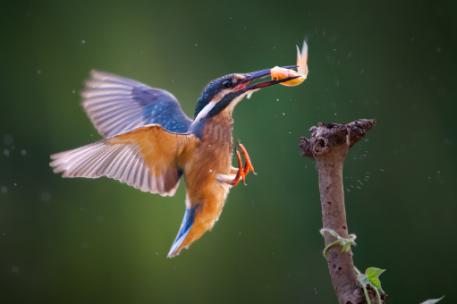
249	87
250	77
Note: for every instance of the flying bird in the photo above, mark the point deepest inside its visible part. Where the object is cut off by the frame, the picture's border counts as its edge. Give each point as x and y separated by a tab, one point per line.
149	143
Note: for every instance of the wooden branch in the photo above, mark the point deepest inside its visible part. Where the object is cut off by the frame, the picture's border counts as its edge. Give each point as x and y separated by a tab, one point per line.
328	146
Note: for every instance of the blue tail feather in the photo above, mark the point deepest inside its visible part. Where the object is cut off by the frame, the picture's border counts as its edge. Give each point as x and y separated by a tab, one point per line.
187	221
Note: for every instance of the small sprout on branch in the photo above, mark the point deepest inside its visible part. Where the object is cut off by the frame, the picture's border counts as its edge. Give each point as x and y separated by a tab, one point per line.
345	243
373	274
371	279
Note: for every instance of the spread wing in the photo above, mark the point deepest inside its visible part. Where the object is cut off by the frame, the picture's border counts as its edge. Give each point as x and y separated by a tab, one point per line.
145	158
116	105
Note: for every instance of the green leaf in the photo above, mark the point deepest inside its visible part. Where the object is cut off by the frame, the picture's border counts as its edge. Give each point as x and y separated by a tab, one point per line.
433	301
373	274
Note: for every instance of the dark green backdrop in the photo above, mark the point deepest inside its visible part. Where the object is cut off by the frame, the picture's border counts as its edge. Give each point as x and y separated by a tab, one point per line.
98	241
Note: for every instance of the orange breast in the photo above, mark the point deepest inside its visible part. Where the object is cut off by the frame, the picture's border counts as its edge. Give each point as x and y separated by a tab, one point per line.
202	164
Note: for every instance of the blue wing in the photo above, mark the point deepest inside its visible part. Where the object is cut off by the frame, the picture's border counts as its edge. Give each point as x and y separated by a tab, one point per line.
117	105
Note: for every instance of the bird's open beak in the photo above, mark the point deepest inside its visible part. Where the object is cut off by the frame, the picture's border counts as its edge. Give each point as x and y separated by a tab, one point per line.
253	76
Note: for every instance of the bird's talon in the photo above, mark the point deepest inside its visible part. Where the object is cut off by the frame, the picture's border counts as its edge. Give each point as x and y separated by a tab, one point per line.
243	178
248	167
240	173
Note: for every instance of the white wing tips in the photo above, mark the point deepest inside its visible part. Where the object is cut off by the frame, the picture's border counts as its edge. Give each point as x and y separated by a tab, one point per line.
121	162
94	73
74	163
112	78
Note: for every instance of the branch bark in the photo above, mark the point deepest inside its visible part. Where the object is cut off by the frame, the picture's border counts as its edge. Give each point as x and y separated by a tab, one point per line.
328	146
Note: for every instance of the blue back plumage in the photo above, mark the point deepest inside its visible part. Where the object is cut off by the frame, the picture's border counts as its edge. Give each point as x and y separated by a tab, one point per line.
160	107
117	105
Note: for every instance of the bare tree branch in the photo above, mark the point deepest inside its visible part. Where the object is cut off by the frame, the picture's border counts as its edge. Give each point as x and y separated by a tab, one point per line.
328	146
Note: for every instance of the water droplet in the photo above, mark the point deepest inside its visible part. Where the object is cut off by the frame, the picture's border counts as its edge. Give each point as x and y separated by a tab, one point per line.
83	41
45	196
283	113
195	44
15	269
6	152
277	99
39	72
3	189
73	91
8	139
23	152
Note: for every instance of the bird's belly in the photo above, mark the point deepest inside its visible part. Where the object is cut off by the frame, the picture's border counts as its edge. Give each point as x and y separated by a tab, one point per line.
203	187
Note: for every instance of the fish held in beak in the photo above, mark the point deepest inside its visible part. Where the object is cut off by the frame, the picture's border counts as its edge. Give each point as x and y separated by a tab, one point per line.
279	73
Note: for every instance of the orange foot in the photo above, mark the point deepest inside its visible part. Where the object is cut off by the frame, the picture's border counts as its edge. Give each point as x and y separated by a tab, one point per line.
242	171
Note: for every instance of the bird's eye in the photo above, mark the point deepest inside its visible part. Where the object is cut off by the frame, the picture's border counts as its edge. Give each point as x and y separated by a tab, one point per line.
227	83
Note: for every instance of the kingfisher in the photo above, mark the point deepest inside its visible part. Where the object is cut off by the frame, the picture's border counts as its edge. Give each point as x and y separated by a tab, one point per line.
149	143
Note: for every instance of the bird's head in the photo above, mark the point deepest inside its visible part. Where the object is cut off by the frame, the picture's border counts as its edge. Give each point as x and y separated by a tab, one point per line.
224	93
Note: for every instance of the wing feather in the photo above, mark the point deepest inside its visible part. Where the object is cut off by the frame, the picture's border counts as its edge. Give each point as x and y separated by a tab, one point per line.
145	159
117	105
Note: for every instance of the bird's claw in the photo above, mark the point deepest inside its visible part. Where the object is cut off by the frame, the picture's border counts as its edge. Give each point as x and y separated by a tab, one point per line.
248	167
243	171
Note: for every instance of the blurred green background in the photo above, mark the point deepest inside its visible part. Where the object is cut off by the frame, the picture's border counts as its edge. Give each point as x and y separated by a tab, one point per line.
99	241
